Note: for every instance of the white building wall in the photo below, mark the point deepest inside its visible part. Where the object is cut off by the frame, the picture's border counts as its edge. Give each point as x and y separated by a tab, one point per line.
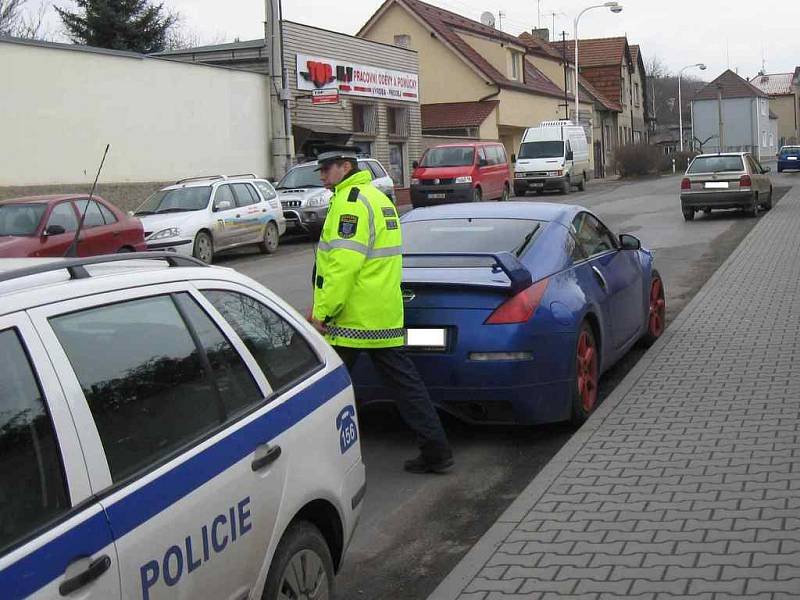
60	106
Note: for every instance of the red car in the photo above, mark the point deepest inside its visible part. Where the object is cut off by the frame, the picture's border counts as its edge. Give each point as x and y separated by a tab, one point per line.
46	225
468	172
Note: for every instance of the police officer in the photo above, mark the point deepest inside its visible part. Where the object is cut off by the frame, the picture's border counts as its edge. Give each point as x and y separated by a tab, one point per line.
358	304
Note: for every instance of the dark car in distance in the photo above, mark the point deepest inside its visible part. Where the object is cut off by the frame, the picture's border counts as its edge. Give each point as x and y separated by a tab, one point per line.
45	226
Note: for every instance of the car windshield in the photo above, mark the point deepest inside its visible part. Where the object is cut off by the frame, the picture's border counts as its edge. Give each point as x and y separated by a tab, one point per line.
306	176
20	219
178	200
716	164
469	235
541	150
457	156
790	150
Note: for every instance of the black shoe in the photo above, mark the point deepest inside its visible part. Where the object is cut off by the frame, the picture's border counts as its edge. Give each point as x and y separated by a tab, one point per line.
422	464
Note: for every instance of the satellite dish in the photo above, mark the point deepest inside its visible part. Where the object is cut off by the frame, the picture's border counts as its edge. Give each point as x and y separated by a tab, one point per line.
487	19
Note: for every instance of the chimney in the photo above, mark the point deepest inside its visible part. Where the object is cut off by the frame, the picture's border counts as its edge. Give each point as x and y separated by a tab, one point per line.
541	34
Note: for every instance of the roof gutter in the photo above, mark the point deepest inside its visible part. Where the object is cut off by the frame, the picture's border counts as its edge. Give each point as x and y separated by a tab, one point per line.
490	96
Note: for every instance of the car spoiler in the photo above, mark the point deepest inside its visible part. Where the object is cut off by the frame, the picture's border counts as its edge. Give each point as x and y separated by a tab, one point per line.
519	276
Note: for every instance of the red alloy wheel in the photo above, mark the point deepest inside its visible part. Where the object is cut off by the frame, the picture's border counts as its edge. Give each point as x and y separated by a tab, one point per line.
658	308
587	371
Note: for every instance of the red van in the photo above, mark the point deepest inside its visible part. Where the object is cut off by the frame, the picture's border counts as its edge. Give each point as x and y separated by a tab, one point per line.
468	172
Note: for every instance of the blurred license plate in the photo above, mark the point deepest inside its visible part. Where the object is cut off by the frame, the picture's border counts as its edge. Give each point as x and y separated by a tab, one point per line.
716	185
791	158
537	185
426	338
436	196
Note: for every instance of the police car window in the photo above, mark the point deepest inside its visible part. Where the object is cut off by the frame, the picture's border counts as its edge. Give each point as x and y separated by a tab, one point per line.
63	214
266	190
376	169
93	218
282	353
245	196
224	194
150	389
33	490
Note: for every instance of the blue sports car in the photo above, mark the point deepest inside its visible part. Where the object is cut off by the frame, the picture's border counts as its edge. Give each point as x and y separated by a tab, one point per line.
514	310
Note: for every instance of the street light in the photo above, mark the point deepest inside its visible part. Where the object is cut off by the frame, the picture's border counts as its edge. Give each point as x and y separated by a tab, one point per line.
700	66
614	7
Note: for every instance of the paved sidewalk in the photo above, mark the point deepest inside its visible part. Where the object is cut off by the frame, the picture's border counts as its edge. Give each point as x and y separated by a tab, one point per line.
686	481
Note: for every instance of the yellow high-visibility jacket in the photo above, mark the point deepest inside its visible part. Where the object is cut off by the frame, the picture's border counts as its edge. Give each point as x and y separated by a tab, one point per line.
359	267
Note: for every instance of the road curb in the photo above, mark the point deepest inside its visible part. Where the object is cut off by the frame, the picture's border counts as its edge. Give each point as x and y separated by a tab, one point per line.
470	566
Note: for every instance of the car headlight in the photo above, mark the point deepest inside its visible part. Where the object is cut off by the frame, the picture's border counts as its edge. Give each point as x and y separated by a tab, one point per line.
318	200
464	179
555	173
165	233
414	181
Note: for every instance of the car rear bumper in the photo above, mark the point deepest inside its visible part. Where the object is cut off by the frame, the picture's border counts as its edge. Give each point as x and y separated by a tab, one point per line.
428	195
785	165
717	199
526	184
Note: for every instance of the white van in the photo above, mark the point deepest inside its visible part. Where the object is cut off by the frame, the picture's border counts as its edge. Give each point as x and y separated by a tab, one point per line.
168	430
552	156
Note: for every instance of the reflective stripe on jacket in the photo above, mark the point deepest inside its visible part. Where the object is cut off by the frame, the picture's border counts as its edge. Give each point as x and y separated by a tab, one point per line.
359	267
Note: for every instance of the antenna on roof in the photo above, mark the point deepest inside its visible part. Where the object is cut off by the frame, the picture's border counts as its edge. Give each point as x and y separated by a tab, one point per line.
72	251
487	19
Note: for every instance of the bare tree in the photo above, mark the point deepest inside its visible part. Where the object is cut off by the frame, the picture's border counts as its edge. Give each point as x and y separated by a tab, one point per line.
181	37
17	22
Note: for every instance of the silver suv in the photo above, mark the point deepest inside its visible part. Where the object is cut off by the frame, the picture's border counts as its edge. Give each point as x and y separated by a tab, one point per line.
305	201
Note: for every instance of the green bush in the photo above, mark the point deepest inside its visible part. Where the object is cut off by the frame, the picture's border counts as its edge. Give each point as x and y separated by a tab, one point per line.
639	159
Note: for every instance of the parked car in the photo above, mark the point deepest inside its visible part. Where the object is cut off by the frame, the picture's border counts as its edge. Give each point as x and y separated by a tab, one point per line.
514	310
168	430
203	216
46	226
789	159
461	173
305	200
728	180
552	156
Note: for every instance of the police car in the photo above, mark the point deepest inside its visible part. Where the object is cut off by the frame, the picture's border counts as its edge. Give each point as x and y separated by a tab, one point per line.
168	430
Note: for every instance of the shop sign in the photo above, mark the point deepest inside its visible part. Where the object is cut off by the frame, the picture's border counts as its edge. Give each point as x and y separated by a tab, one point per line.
325	96
315	73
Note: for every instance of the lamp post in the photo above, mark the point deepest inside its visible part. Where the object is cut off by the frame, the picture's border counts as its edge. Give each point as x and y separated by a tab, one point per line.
614	7
700	66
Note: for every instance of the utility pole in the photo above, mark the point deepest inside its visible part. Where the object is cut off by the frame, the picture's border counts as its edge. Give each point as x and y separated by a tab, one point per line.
280	110
721	124
566	75
500	16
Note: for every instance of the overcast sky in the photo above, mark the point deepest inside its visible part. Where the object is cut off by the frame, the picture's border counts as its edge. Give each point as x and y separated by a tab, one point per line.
679	32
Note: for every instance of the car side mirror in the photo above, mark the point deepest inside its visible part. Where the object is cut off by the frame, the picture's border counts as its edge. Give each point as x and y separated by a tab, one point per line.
629	242
222	205
54	230
483	163
513	158
415	164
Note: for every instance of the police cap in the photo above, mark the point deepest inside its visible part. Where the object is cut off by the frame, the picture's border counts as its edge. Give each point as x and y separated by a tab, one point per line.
327	158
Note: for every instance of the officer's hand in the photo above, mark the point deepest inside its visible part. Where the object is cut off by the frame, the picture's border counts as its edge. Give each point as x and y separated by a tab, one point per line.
318	325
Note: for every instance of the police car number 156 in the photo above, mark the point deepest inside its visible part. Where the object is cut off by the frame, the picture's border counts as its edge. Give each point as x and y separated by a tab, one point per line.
348	432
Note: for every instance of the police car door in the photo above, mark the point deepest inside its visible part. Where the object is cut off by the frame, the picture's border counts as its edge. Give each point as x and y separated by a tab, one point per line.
189	487
54	540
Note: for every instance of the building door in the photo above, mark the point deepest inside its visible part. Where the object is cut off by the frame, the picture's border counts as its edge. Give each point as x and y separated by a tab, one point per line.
599	166
397	164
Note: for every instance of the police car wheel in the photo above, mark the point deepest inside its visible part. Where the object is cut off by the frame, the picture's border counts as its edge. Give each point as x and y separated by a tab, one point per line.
204	247
302	566
270	243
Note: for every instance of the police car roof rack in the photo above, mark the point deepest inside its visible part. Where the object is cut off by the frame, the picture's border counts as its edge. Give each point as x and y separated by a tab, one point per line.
243	176
200	178
76	267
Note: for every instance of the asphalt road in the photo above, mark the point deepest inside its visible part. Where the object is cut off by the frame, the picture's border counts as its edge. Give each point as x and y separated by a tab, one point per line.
414	529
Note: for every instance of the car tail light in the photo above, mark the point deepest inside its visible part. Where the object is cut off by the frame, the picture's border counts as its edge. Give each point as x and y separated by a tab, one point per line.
686	184
745	181
519	308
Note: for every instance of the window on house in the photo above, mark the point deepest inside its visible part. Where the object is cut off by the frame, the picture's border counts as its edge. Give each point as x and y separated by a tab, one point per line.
516	66
764	105
636	93
397	120
570	81
403	40
365	119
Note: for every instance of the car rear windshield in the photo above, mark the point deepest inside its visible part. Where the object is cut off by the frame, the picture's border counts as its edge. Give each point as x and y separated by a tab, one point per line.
541	150
179	200
469	235
790	150
455	156
301	177
20	219
716	164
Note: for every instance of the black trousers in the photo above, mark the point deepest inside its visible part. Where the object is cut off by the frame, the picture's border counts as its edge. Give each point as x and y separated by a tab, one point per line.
411	396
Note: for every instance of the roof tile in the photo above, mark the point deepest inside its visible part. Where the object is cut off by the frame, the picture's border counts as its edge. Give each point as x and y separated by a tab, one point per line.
456	114
774	84
733	86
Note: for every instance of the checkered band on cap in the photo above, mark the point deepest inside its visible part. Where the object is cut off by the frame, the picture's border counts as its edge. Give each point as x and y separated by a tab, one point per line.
361	334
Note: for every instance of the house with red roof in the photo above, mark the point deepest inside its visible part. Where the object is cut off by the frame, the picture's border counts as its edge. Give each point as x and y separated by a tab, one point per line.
784	100
477	82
